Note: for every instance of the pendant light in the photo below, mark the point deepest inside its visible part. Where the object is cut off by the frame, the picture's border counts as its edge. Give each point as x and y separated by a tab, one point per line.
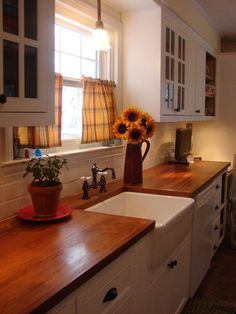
100	36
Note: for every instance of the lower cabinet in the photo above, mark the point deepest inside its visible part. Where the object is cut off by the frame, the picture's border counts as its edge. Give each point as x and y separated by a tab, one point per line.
219	211
110	291
167	289
129	285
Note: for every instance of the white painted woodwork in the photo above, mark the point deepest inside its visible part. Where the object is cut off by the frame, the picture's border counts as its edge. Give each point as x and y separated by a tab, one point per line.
19	111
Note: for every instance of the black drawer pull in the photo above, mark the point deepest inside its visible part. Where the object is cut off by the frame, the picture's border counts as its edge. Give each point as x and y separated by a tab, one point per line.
217	228
3	99
198	111
110	295
217	207
172	264
217	186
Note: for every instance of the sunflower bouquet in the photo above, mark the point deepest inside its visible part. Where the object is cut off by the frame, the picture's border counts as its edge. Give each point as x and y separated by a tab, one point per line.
134	125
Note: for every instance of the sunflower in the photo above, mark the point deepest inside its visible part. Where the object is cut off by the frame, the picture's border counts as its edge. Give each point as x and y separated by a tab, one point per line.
131	114
144	118
150	127
120	129
136	134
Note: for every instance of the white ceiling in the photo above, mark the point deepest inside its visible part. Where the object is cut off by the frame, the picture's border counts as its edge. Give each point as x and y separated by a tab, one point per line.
130	5
222	13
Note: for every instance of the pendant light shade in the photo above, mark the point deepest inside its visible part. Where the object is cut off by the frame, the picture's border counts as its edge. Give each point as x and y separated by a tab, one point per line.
100	36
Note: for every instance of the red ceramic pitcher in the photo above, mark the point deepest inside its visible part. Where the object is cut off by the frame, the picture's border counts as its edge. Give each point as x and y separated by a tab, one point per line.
133	170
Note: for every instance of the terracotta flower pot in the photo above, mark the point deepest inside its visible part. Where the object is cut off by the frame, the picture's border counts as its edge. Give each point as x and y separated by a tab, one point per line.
45	199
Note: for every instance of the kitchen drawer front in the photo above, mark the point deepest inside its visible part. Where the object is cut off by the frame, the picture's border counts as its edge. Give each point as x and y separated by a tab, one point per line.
216	233
110	291
66	306
217	195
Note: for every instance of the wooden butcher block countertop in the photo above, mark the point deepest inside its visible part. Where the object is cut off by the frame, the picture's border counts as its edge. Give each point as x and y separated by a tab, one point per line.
41	263
166	179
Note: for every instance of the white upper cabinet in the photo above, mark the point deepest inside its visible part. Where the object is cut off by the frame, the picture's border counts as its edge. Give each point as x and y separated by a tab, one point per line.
174	60
197	73
164	66
26	62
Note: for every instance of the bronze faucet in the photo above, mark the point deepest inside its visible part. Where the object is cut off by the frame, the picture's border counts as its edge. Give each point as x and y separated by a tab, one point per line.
95	171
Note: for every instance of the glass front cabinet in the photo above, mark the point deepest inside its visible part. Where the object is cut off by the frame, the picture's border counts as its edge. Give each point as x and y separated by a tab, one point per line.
26	62
175	71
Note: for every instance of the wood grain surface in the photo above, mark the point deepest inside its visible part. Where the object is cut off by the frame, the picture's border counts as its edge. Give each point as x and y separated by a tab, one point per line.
41	263
165	179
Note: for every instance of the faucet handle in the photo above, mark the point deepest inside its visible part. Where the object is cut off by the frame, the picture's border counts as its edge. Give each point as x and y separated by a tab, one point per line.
102	182
103	173
85	187
84	178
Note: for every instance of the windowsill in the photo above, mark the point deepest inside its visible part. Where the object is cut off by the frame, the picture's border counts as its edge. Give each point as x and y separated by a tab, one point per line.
64	153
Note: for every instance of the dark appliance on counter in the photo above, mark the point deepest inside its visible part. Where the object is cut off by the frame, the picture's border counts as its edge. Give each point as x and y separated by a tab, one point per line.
182	145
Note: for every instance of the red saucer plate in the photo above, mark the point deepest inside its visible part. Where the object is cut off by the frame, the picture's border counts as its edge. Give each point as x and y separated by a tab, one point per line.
28	213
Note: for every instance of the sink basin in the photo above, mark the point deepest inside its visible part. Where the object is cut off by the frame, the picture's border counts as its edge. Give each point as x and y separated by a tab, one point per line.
173	216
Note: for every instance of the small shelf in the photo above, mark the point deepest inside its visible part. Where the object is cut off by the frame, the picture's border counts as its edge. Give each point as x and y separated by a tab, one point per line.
210	85
210	78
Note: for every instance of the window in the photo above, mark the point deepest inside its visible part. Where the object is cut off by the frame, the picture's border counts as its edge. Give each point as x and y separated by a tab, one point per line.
75	56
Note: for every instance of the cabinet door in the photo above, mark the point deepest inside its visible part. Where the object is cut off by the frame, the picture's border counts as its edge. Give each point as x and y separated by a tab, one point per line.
26	56
174	57
177	278
197	79
154	295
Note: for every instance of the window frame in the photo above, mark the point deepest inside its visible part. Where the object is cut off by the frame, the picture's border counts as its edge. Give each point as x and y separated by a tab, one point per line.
103	71
88	13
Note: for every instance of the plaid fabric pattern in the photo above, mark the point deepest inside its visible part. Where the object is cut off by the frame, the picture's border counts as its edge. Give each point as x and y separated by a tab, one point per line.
99	110
44	136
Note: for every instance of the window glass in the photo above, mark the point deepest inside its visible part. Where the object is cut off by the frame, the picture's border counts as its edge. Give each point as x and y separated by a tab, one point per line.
70	66
88	50
70	41
72	113
88	68
75	56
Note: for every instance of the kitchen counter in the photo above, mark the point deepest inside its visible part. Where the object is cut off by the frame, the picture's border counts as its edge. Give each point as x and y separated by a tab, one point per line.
42	263
166	179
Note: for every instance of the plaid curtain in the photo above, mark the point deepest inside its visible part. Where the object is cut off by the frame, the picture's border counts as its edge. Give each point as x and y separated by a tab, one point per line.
99	110
44	136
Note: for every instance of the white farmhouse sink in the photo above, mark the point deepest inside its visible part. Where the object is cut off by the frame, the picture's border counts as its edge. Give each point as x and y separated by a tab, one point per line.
173	216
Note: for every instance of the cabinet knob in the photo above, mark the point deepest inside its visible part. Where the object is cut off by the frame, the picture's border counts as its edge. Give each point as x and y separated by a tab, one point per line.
110	295
198	111
3	99
217	207
217	186
215	247
217	228
172	264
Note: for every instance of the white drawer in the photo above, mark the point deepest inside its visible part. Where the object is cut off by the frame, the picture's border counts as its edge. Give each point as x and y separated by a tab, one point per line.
116	281
216	233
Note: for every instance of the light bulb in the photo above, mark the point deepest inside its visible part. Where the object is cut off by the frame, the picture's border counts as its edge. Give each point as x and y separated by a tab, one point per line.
100	39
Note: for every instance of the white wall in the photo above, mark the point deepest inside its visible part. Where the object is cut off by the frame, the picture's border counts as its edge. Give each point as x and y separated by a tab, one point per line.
216	140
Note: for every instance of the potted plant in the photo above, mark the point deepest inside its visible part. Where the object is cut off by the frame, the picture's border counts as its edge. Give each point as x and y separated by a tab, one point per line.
46	186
